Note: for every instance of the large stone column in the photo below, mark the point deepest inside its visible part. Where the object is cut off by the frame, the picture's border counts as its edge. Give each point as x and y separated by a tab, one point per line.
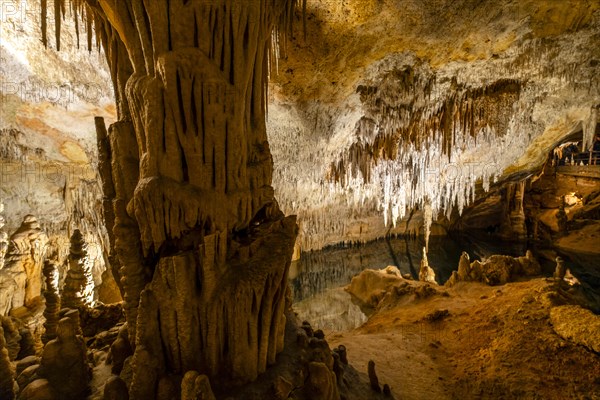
203	247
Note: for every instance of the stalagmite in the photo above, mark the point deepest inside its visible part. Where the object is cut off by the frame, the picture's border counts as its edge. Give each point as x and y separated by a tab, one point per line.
3	236
426	273
66	356
52	300
374	381
78	290
560	270
203	248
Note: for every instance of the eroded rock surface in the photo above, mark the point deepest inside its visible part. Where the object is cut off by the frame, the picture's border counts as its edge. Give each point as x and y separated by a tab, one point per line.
21	277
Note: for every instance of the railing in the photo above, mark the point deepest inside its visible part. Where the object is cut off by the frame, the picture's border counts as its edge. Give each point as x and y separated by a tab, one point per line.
587	158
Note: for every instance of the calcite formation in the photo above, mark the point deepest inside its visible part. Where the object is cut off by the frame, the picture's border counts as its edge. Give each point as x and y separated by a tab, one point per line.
3	236
78	291
21	277
66	356
7	371
426	273
495	270
51	294
203	248
387	107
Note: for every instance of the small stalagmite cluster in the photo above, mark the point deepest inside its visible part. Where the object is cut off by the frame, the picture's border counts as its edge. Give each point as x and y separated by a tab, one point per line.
496	270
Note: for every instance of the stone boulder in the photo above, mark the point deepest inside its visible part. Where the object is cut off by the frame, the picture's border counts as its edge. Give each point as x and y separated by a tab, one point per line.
370	285
66	356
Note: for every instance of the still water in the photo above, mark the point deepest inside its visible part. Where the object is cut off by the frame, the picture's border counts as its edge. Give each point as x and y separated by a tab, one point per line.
318	278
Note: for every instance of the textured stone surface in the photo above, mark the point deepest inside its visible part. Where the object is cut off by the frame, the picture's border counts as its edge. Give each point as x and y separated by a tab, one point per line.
404	103
78	291
578	325
7	372
21	277
52	300
66	356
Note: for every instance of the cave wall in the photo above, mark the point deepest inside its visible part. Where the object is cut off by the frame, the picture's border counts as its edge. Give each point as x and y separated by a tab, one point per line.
48	151
390	89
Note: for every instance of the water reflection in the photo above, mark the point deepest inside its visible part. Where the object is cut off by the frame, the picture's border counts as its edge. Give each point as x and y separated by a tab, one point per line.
318	278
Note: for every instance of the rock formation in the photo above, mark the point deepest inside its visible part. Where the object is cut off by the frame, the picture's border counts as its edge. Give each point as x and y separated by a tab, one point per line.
78	291
3	236
21	277
426	273
374	381
7	372
195	386
52	300
560	270
66	356
203	246
495	270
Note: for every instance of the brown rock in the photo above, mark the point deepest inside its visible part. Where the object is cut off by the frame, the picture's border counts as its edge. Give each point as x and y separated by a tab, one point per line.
196	387
578	325
28	375
40	389
120	350
282	388
7	372
321	383
66	356
115	389
26	362
373	380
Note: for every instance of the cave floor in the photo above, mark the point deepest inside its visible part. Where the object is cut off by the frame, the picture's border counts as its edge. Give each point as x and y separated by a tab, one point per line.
495	342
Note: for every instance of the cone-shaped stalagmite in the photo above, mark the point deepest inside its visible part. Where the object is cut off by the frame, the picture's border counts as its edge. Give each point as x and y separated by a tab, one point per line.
52	300
3	237
203	246
79	284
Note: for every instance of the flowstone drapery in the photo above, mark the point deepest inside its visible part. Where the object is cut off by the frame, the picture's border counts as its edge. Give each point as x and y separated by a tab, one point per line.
203	247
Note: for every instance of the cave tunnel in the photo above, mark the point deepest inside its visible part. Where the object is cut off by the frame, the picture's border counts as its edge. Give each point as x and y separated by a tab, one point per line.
299	199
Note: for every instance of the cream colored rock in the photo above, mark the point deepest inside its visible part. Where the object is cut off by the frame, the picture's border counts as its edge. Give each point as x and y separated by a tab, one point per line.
426	273
21	277
78	290
371	285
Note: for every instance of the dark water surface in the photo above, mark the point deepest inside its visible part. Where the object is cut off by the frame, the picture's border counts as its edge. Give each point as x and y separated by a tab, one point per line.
318	277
